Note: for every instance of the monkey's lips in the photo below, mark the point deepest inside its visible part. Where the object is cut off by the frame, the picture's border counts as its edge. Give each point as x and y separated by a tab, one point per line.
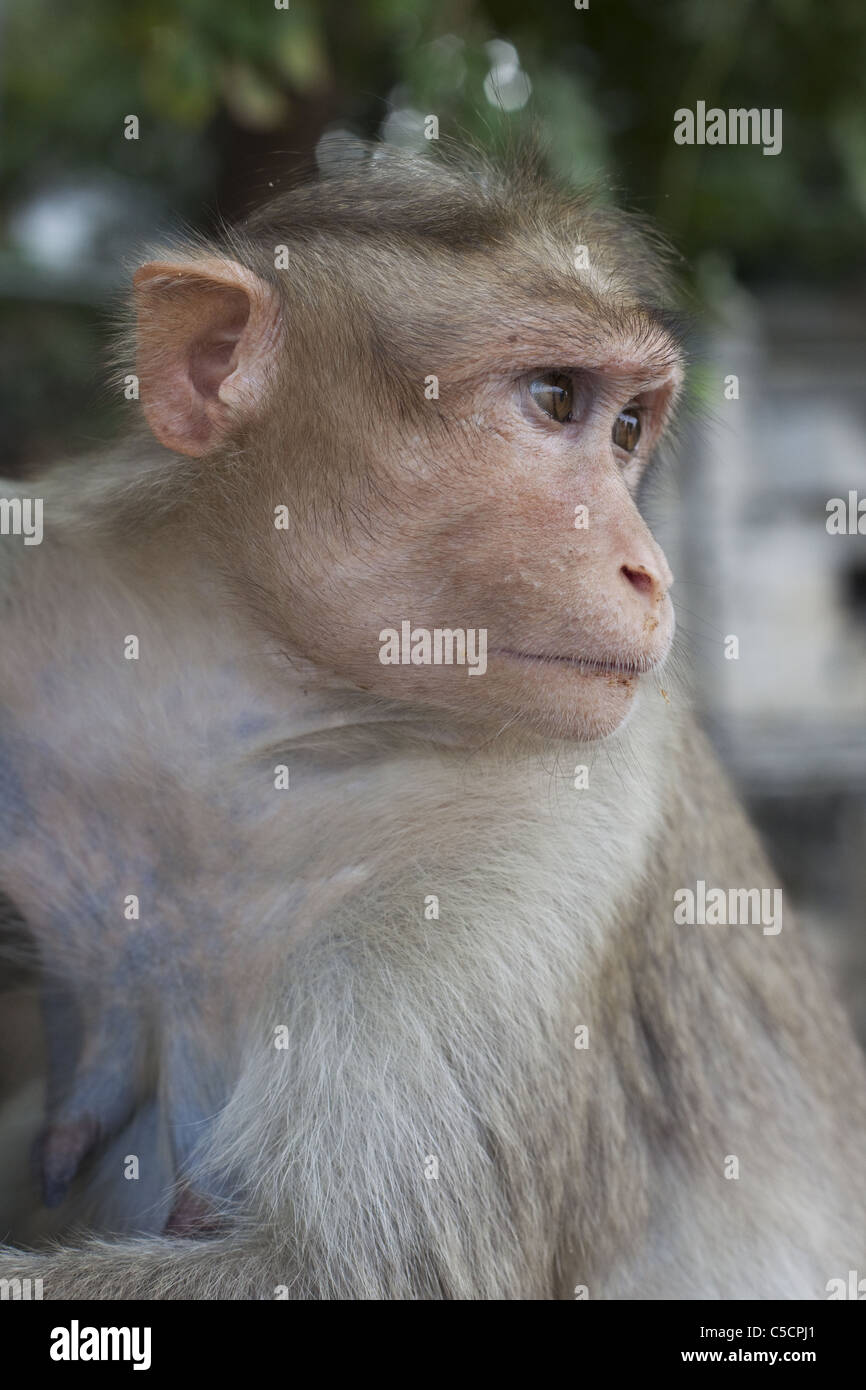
585	666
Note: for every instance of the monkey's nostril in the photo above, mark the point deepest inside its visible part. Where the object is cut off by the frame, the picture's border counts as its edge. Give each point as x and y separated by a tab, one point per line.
643	581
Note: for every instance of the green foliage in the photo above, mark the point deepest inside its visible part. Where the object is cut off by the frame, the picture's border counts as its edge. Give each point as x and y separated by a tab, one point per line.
605	84
233	94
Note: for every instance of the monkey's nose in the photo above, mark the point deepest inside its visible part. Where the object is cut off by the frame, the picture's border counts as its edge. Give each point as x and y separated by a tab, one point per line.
648	582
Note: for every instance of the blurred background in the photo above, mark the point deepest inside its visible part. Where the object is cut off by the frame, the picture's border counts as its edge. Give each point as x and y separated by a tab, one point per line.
232	96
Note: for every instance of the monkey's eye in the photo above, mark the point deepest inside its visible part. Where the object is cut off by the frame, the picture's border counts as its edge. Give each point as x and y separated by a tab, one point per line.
626	429
554	394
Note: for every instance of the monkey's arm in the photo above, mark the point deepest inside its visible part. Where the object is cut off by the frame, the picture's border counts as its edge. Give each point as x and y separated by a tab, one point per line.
714	1041
729	1047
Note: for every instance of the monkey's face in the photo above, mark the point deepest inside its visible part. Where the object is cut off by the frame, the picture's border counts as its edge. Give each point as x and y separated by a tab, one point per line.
541	543
508	574
466	539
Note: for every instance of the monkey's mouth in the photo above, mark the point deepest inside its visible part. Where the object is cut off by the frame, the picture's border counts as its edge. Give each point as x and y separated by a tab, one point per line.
585	665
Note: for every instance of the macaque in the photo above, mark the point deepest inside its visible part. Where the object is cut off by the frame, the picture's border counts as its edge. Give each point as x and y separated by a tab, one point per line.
349	812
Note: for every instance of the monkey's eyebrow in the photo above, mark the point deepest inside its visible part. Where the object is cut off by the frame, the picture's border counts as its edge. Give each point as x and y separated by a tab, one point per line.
636	339
655	335
597	333
642	347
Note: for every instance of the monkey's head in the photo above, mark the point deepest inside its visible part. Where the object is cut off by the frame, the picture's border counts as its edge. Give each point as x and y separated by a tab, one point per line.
421	400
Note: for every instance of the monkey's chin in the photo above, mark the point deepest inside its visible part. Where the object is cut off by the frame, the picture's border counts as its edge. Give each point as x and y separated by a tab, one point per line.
562	699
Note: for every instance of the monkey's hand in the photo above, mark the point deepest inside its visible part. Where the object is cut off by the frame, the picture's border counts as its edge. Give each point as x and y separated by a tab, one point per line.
91	1087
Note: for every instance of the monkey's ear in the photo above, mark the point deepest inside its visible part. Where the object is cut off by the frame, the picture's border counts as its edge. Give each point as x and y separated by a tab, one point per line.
206	333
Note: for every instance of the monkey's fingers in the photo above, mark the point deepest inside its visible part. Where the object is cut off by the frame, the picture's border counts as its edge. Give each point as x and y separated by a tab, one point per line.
101	1100
57	1155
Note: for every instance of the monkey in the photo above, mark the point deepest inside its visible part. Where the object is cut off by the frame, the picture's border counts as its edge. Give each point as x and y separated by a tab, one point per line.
348	809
